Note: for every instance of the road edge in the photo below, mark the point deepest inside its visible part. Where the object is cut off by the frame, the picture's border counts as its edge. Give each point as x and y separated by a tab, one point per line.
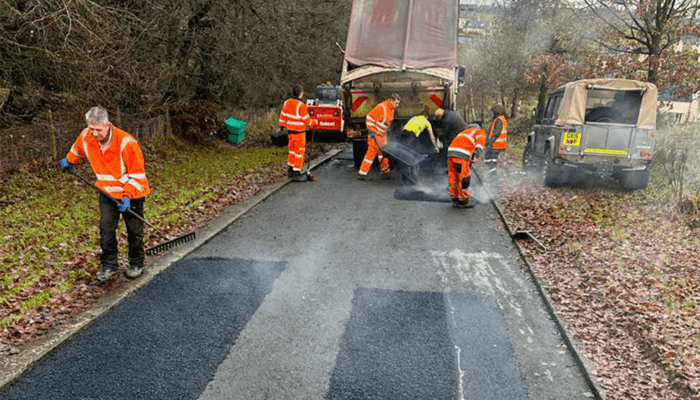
15	366
582	362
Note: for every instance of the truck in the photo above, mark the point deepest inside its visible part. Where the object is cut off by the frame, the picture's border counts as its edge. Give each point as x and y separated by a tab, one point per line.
602	127
404	47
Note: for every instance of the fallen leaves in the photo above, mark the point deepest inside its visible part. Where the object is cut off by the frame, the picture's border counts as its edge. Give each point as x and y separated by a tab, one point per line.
625	277
71	295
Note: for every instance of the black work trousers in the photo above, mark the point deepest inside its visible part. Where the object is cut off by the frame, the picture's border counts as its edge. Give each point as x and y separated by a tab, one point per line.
109	220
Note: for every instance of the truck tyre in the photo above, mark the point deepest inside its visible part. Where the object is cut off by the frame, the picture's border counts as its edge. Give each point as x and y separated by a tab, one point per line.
553	175
359	149
633	180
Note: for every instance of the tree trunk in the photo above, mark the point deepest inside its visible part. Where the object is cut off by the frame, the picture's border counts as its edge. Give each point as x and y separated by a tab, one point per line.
542	98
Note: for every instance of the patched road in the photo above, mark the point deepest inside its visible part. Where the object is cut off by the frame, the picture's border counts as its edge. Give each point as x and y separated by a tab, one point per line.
338	289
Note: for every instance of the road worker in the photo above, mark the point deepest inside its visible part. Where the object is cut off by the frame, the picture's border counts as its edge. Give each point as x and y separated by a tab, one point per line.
451	122
117	160
414	131
465	149
496	140
378	123
295	119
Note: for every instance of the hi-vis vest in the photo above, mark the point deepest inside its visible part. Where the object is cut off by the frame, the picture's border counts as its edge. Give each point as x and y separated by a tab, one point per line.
417	125
295	116
466	142
120	170
502	141
379	119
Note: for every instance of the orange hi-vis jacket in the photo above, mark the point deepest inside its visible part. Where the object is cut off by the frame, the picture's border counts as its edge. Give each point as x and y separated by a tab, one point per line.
466	142
295	116
120	169
501	141
379	119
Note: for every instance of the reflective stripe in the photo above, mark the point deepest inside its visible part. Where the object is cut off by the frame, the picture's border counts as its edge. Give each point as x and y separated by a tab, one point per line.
135	184
113	189
380	126
294	121
103	177
457	152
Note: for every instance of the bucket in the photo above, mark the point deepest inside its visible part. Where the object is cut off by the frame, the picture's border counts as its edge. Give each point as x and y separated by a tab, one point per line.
236	129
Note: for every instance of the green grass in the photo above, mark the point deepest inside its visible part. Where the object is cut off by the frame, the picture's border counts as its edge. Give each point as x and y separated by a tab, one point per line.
50	220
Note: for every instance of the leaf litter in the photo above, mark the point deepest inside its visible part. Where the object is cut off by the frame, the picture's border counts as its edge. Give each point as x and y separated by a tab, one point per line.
624	276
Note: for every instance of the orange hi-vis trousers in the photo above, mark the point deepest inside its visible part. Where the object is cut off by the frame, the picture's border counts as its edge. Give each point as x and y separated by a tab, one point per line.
458	177
373	150
297	148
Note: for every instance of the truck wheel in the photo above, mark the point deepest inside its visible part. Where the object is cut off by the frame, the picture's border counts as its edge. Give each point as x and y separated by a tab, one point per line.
359	149
633	180
553	175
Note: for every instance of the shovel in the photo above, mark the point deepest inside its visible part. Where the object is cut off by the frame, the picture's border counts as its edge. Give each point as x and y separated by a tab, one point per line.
151	250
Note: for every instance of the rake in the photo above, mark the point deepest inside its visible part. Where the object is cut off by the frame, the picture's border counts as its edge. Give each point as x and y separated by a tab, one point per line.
159	248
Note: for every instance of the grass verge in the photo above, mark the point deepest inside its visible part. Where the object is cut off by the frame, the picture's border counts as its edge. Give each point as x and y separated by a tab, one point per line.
49	249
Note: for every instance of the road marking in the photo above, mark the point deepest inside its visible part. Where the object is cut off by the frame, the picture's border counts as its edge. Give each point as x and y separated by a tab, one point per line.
475	271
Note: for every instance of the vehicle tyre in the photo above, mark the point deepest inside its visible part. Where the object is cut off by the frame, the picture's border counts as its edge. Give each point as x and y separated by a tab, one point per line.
634	180
359	149
553	175
530	162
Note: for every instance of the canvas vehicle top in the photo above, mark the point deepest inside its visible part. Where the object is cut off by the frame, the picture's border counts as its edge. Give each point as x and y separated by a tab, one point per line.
605	127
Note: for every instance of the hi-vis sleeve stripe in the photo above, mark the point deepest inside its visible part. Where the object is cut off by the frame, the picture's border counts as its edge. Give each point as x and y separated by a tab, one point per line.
459	152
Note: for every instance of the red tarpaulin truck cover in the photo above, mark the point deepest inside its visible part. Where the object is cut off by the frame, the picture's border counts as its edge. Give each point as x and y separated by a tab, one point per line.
413	34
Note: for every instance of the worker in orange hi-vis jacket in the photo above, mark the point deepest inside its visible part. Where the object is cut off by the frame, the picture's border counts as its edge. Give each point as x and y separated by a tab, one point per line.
295	119
465	148
496	141
117	160
378	123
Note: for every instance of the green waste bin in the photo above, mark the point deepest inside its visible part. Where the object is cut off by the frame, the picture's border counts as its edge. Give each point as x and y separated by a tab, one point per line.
236	129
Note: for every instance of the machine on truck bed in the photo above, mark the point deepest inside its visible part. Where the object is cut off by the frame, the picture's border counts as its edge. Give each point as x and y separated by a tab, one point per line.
407	47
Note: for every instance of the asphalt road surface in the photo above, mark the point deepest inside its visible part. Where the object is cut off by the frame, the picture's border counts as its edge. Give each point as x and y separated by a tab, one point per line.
337	289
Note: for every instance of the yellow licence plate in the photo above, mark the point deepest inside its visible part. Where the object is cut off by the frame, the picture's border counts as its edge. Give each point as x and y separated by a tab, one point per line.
572	138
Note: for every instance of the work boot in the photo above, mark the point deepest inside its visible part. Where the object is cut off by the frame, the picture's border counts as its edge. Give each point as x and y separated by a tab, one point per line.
468	203
299	177
134	272
455	201
289	171
364	177
105	274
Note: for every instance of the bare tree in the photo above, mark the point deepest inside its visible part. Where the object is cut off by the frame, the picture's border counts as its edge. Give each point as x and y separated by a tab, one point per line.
645	27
